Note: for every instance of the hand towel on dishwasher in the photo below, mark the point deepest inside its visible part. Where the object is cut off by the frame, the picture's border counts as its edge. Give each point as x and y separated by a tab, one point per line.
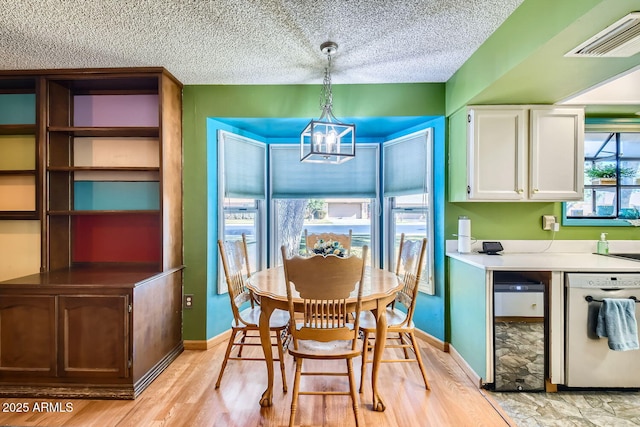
617	321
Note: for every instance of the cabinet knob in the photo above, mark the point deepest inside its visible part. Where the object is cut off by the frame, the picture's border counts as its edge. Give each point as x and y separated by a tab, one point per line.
520	191
535	190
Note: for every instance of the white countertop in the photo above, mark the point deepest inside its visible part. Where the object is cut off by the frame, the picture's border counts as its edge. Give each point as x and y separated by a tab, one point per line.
551	261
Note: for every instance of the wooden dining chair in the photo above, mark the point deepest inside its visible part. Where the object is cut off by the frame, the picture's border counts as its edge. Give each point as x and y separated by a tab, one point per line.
324	285
246	311
400	326
311	239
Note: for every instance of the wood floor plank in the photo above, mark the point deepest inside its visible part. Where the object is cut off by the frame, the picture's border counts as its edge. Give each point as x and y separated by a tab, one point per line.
185	395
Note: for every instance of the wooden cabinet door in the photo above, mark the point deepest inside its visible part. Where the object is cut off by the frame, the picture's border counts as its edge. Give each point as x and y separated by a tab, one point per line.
27	335
94	336
556	154
497	153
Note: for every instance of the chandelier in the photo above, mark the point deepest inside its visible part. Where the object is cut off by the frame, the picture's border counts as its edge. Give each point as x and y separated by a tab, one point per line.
327	140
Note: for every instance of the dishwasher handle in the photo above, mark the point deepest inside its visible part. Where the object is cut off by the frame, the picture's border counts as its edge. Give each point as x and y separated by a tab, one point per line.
589	298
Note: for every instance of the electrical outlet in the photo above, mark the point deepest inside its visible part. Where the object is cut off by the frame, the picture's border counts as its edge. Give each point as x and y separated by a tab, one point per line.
548	221
188	301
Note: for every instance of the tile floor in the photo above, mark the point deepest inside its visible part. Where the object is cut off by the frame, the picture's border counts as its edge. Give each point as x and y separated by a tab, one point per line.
540	409
571	408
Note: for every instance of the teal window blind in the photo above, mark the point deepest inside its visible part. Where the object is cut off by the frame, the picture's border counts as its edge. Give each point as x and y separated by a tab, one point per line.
292	179
244	164
405	165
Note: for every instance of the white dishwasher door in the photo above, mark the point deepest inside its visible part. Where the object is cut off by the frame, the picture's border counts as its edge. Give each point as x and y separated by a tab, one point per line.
589	361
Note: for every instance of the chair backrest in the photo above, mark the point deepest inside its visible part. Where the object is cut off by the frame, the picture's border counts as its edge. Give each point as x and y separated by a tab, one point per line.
235	264
310	240
409	270
324	285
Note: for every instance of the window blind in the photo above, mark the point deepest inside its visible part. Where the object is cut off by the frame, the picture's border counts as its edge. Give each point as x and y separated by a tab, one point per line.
293	179
244	162
405	165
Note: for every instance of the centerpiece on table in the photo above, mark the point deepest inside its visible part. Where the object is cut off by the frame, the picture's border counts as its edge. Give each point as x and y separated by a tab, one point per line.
329	247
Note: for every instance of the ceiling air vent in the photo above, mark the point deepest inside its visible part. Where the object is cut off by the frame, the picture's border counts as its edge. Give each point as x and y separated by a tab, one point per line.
620	39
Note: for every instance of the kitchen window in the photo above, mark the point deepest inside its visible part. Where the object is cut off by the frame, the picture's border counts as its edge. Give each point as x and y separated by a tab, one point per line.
612	180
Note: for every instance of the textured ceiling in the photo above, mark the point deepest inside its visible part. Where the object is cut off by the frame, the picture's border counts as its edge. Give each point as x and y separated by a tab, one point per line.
252	41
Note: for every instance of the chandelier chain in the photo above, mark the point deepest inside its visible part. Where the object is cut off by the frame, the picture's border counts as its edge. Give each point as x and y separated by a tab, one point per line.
326	97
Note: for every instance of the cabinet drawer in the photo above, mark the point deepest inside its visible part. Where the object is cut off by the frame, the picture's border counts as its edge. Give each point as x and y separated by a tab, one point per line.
519	304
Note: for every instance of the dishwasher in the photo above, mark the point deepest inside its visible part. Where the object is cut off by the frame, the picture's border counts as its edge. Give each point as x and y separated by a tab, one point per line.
588	360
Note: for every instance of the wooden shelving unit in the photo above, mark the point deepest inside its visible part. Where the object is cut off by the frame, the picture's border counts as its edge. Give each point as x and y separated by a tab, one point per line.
105	312
19	173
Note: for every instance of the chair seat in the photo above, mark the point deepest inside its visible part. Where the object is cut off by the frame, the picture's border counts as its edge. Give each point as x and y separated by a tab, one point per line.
309	349
279	318
394	317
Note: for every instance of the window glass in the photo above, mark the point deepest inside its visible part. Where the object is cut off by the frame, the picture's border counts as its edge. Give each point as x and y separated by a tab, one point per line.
337	215
241	216
612	177
409	216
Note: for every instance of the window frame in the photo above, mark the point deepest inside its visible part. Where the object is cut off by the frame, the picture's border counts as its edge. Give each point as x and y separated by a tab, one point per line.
603	126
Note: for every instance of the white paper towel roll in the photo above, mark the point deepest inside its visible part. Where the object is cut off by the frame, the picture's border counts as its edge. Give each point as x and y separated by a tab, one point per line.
464	235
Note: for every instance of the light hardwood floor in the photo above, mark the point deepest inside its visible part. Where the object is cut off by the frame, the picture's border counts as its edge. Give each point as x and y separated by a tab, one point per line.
184	395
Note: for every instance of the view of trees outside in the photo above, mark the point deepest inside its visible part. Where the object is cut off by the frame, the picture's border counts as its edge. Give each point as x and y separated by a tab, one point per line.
291	214
323	216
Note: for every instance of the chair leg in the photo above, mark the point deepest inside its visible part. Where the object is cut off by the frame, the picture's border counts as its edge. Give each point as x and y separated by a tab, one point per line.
296	390
244	337
402	342
416	349
365	354
226	356
281	357
352	390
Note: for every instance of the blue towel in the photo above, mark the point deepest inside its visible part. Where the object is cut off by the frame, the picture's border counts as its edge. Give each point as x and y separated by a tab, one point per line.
617	321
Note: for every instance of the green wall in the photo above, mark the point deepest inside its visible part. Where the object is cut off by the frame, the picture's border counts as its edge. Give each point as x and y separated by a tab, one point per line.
210	314
523	63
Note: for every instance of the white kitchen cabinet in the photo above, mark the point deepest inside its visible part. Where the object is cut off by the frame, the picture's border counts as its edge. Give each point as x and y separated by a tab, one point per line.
556	153
524	153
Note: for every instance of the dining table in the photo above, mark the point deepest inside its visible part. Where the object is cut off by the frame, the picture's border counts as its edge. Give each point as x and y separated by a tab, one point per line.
379	289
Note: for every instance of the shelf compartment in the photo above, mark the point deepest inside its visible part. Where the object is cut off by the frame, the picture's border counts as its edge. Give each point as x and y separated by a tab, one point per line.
17	152
17	108
116	238
17	193
119	152
140	110
116	195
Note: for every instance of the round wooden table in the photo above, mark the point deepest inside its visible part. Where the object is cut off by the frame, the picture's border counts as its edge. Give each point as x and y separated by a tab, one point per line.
379	289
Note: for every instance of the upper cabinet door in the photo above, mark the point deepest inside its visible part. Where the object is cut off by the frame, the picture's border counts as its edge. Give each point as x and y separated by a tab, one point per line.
556	153
497	156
